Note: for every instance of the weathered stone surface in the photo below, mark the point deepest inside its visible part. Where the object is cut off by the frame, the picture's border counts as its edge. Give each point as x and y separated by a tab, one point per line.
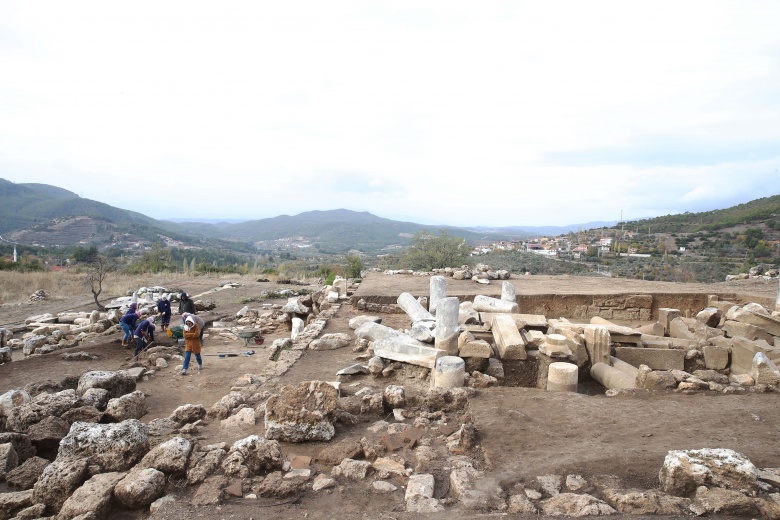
110	447
764	371
400	349
248	456
488	304
47	434
243	418
42	405
521	504
321	482
394	396
349	448
351	469
33	512
475	491
210	491
128	406
645	502
93	497
649	379
58	481
97	397
13	399
684	471
710	316
140	488
657	359
573	505
11	503
8	459
274	485
169	457
716	358
117	383
597	342
188	413
357	321
33	343
202	465
331	341
509	341
383	487
301	413
725	502
27	473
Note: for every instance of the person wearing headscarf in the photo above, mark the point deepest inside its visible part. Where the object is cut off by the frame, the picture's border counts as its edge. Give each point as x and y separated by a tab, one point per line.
164	311
192	343
144	334
198	320
128	323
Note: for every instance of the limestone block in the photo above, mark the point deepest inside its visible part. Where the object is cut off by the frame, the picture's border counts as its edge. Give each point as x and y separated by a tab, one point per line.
251	455
170	457
716	358
555	346
407	352
302	413
764	371
657	359
92	497
710	316
58	481
487	304
597	341
649	341
140	488
508	292
742	353
678	328
357	321
495	368
574	505
509	341
110	447
475	349
746	330
629	370
665	318
766	322
685	470
117	383
129	406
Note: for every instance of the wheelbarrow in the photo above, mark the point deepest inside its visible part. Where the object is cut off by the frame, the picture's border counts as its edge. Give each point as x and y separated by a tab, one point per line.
176	332
250	335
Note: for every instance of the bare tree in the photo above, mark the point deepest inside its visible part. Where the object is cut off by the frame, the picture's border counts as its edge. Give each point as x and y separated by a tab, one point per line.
96	275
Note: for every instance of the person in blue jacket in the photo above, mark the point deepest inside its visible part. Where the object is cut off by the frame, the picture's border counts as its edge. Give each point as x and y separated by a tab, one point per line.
164	311
144	334
128	323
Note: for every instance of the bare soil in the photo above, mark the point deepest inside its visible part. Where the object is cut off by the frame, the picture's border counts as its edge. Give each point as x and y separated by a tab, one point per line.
523	432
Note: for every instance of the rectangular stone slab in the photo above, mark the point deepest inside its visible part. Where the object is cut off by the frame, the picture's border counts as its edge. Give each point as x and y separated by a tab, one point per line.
655	358
406	353
509	341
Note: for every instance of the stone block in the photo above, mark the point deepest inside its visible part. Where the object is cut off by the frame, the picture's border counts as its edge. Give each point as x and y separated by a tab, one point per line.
407	353
509	341
665	318
657	359
716	358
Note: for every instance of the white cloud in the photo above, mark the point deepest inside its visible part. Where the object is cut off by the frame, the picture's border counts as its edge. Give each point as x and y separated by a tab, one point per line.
484	113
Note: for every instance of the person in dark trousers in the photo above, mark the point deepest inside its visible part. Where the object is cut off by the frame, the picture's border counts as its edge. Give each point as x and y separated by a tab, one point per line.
164	311
144	334
186	305
128	323
192	343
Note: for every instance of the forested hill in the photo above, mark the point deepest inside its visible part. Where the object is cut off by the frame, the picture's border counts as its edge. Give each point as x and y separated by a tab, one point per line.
765	210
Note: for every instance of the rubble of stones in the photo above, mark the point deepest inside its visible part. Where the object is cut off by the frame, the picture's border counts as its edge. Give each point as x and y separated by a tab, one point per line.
78	448
755	272
481	273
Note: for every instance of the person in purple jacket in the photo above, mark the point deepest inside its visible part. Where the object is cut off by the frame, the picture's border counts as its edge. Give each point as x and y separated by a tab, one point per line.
144	334
128	323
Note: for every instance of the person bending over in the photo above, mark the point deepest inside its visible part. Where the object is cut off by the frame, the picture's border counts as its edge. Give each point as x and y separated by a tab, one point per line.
144	334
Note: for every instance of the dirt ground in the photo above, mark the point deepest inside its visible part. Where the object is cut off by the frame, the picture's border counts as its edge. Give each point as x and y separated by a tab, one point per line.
523	432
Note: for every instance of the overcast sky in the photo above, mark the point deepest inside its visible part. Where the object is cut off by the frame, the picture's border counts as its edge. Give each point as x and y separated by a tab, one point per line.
463	113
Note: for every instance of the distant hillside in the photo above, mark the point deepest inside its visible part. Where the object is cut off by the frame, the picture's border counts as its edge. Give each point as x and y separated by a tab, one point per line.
330	231
534	231
23	206
755	211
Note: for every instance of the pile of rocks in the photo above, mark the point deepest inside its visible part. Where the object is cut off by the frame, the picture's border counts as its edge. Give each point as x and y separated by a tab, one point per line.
755	272
481	273
39	295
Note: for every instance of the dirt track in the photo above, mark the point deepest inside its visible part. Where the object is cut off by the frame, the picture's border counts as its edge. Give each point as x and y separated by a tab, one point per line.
523	432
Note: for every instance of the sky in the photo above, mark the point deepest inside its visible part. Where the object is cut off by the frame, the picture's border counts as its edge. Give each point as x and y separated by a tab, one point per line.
475	113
